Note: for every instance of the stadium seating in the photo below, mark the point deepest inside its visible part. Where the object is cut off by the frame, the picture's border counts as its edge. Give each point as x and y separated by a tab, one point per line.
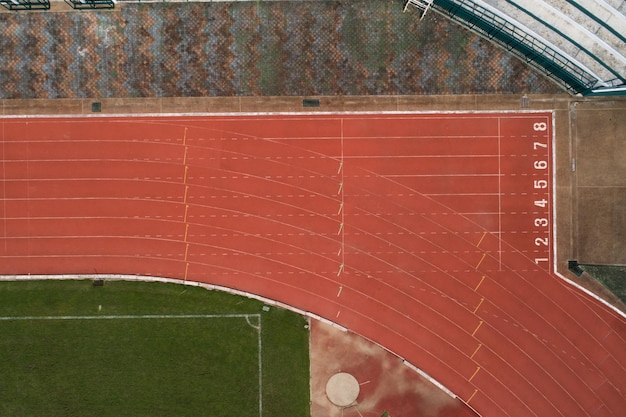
580	44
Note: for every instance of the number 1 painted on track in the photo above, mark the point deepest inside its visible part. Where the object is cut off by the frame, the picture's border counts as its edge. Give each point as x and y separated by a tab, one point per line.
540	165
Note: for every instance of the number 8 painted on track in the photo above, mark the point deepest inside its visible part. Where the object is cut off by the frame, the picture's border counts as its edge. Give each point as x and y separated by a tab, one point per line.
540	126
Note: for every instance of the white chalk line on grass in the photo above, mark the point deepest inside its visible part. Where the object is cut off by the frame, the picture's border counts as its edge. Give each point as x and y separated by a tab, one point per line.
148	316
260	354
255	326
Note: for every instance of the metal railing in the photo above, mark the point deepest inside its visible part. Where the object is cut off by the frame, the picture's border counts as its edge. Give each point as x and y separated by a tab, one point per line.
532	50
26	4
91	4
536	52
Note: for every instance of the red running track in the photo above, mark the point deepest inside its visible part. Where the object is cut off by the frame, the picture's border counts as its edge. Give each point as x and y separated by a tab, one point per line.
430	234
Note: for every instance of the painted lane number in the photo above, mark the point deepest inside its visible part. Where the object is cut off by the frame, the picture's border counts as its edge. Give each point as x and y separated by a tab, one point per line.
540	166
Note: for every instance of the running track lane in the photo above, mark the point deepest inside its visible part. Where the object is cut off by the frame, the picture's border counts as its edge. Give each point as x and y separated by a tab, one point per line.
429	234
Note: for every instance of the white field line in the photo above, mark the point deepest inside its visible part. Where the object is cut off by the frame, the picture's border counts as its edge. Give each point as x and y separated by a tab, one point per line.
171	316
147	316
257	326
260	354
210	287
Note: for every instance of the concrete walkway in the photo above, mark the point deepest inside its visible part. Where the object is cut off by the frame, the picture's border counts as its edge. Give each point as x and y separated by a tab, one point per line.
287	48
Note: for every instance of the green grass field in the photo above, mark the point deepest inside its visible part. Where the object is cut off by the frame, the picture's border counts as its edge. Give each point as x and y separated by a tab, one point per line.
147	349
612	277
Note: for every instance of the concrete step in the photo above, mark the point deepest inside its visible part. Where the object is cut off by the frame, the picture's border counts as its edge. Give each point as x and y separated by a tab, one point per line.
597	17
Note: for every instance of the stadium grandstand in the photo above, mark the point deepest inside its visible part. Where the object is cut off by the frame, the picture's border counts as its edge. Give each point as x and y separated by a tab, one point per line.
580	44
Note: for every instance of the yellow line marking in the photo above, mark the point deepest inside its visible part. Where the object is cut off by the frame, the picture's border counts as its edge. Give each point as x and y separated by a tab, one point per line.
185	197
481	239
186	251
481	281
186	231
185	155
480	323
185	137
481	260
471	396
185	177
479	304
477	348
186	209
474	374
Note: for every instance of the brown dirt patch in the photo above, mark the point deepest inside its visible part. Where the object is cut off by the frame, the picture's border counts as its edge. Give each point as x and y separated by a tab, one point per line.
386	383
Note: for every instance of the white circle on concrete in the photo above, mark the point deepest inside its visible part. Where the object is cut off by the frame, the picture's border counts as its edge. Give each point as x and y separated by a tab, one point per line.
342	389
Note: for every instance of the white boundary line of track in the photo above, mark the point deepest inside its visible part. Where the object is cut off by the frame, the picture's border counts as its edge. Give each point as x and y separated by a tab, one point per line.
553	202
278	113
555	259
148	278
257	327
